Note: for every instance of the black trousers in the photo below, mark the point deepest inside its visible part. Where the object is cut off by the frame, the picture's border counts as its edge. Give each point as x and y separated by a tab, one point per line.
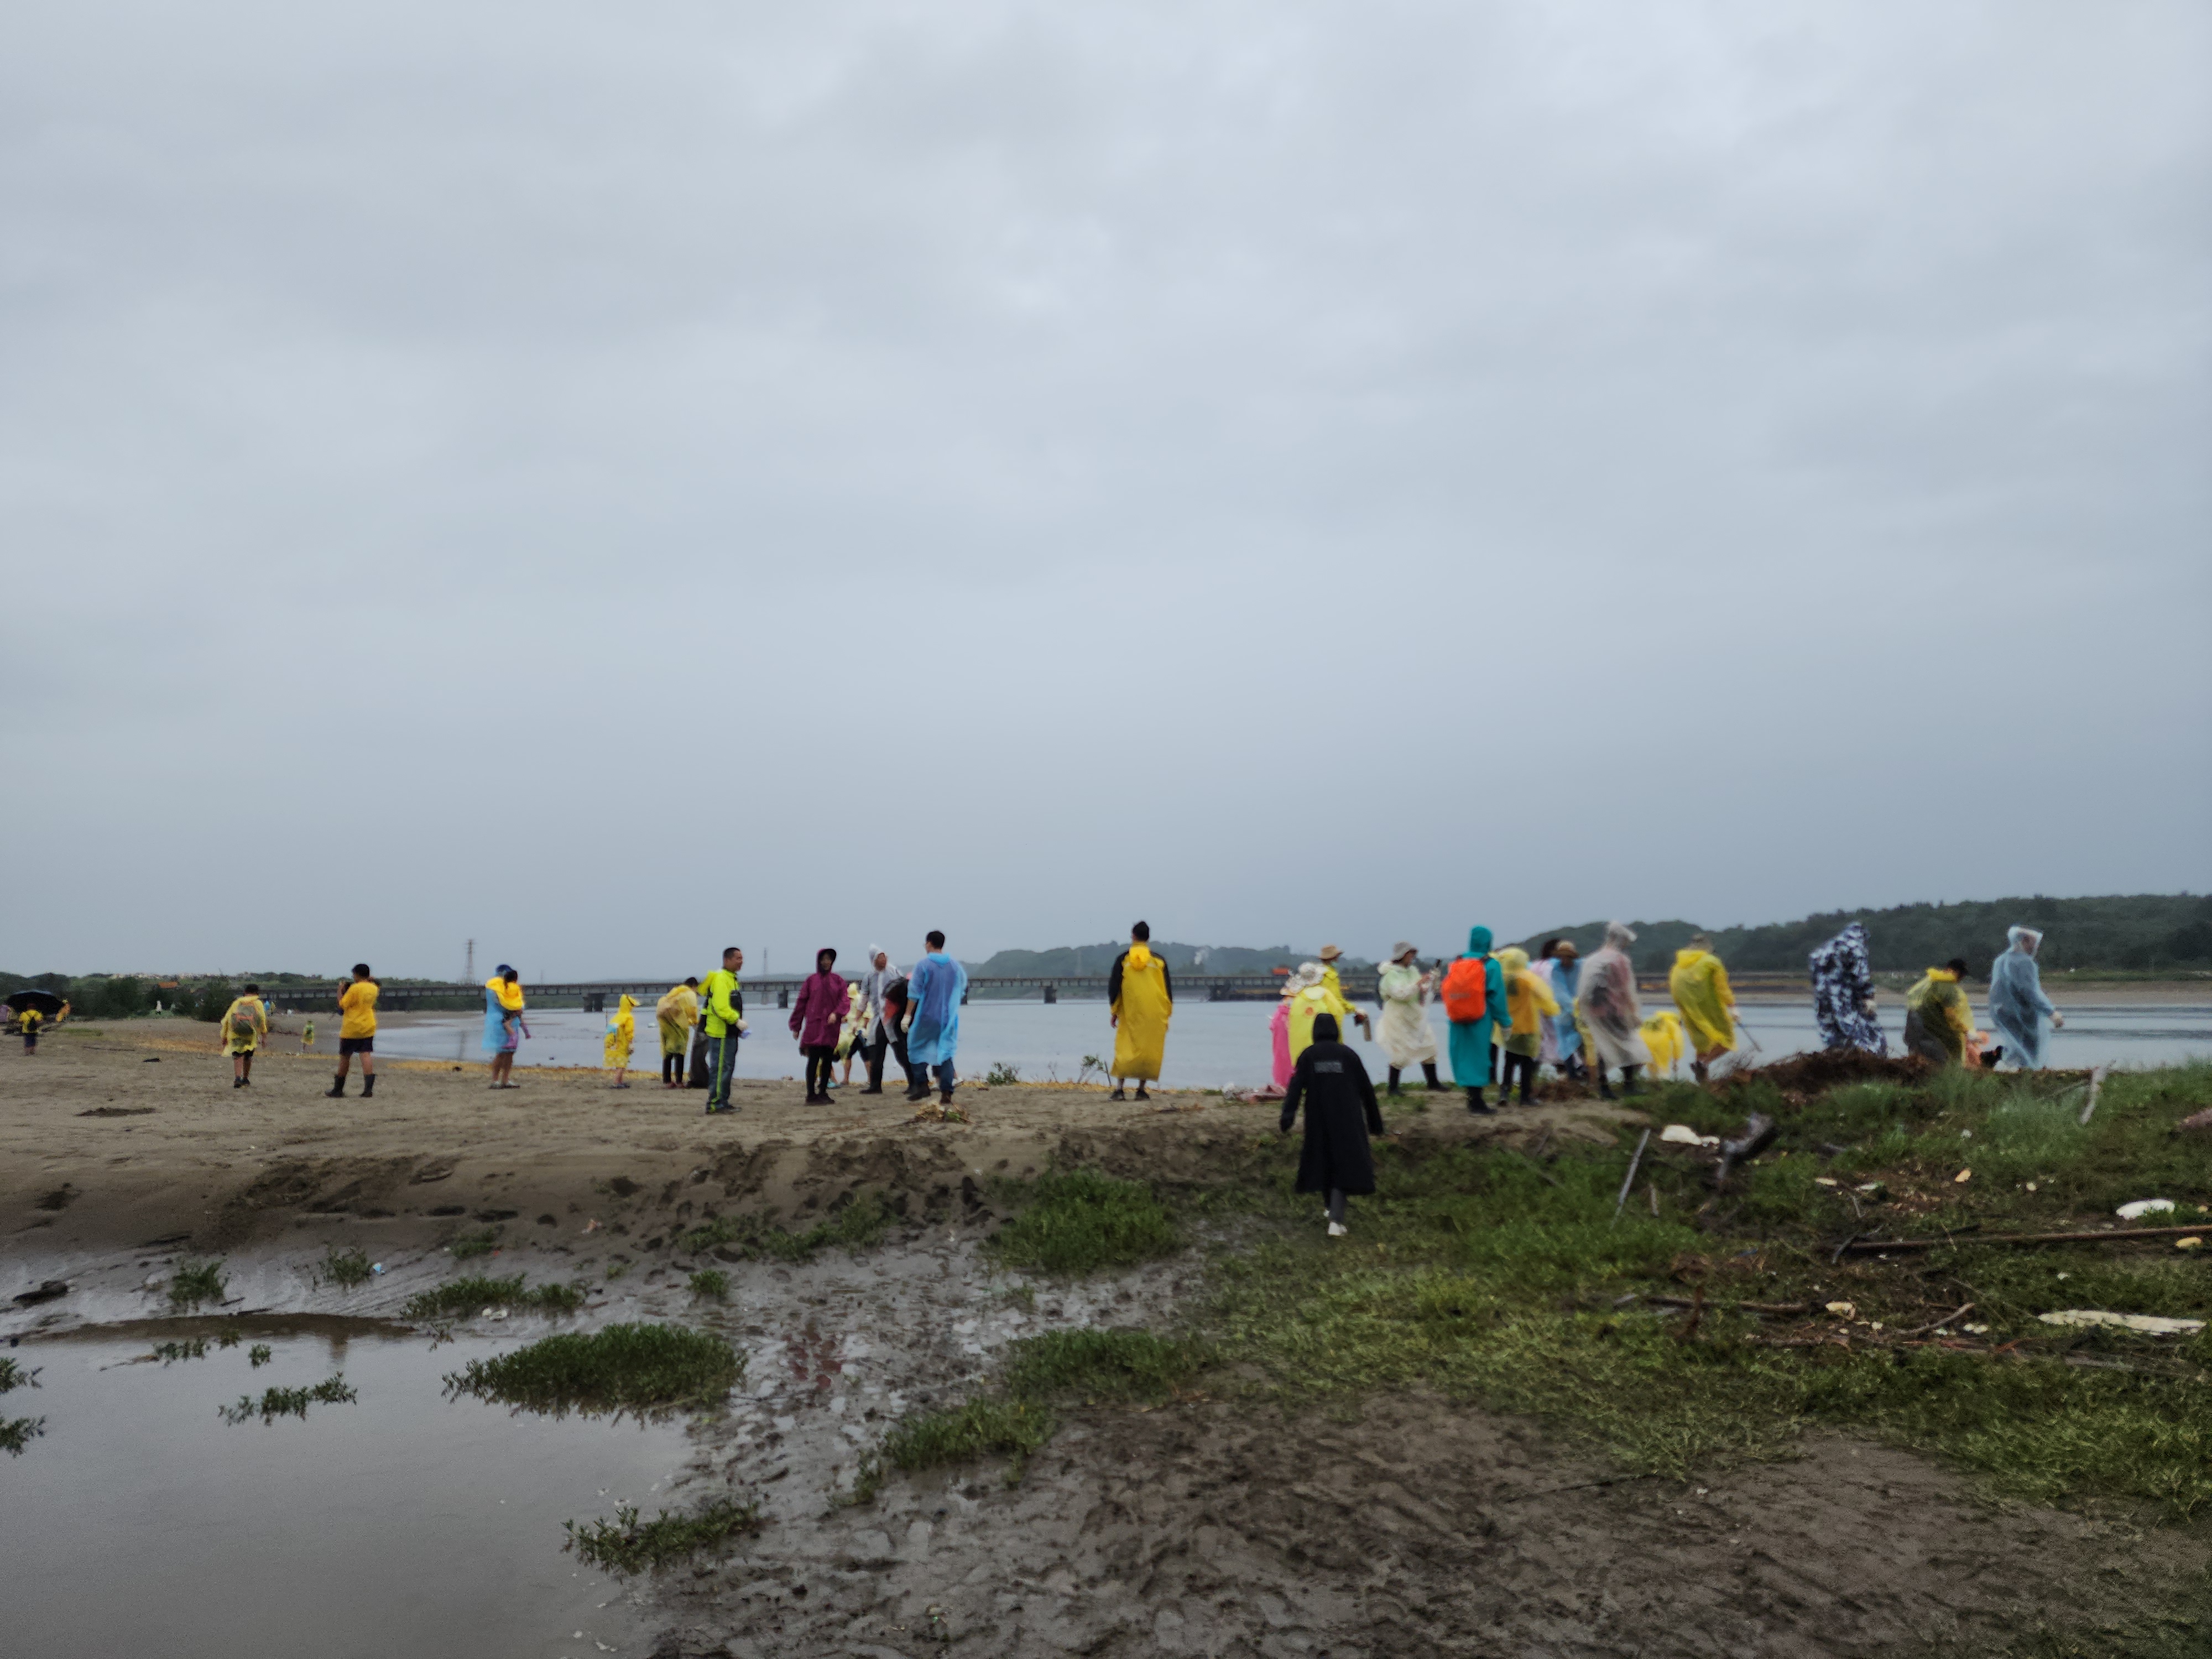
821	1062
671	1068
898	1047
1526	1064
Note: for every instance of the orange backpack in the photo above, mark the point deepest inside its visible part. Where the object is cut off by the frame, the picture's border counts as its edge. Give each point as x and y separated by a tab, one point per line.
1466	990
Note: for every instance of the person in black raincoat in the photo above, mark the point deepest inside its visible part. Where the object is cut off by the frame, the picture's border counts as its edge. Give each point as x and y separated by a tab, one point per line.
1330	1081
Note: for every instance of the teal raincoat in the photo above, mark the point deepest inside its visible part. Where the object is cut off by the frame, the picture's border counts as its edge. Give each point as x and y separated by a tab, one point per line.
1471	1039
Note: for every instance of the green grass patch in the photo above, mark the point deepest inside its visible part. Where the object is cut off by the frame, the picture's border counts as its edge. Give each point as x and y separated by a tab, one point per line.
645	1370
1099	1364
471	1245
458	1297
290	1402
195	1282
17	1432
711	1284
859	1225
345	1268
1079	1221
1013	1429
170	1352
627	1544
259	1355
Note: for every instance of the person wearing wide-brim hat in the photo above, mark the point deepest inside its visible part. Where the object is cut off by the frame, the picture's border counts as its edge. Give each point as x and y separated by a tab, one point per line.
1406	1038
1329	953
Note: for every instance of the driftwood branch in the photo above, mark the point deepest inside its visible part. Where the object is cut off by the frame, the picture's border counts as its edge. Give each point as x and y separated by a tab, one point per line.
1866	1246
1629	1180
2096	1082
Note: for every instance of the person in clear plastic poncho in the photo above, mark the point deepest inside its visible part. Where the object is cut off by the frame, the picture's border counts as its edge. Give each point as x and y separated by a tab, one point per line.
1843	992
1408	1039
2017	1005
1610	1012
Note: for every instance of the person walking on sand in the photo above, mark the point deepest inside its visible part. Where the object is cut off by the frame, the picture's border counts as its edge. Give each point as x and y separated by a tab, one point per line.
1938	1021
1140	1000
934	991
245	1023
878	1028
817	1013
2017	1005
724	1021
852	1033
675	1014
356	1033
503	1028
1528	1002
1330	955
897	1000
1474	1002
1611	1011
1332	1084
1699	985
621	1035
1278	1032
1406	1038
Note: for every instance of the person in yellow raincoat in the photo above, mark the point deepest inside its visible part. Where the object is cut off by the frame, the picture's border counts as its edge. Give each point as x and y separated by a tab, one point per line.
1663	1036
245	1023
1527	1000
675	1014
1939	1022
858	1015
1700	988
1313	998
1330	955
1141	998
621	1035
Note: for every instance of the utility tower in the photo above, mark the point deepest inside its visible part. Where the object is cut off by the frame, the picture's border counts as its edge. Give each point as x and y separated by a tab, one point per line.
469	972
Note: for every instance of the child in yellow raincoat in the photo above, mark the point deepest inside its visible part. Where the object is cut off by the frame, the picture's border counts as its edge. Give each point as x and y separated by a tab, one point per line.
1699	985
1663	1036
622	1033
1527	1000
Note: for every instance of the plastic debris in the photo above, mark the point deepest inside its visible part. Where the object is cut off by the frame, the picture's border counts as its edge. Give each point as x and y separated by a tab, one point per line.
1975	1330
2148	1324
1681	1134
1962	1177
2143	1206
1844	1309
1823	1181
2192	1243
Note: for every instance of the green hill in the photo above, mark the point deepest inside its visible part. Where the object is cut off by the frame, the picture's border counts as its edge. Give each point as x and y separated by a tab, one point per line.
1072	959
2143	932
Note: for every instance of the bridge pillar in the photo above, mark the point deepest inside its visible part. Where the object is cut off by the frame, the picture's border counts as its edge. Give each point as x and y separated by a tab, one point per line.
1052	994
963	996
783	997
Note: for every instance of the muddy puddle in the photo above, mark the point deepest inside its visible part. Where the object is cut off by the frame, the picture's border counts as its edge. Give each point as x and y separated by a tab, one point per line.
141	1520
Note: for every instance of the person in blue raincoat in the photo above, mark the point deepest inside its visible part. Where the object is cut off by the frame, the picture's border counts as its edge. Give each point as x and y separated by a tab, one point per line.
2017	1005
1471	1038
933	991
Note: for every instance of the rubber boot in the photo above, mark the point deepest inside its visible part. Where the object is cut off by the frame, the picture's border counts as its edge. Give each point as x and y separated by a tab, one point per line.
1429	1070
1393	1088
1478	1106
1628	1081
943	1099
1604	1088
337	1091
368	1086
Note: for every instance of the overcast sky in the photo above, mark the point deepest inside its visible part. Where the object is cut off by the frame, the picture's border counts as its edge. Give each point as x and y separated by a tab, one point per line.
613	480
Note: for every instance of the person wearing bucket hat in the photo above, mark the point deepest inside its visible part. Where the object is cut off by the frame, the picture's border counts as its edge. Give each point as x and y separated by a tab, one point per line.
1406	1038
1330	954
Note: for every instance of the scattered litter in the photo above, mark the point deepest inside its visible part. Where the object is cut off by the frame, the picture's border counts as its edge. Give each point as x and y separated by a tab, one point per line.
1965	1135
1975	1330
593	1226
2148	1324
1873	1189
1681	1134
376	1267
2192	1243
2143	1206
2031	1186
1844	1309
2196	1121
1962	1177
1823	1181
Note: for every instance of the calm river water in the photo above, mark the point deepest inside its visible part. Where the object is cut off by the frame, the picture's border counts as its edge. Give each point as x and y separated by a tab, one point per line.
1211	1044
